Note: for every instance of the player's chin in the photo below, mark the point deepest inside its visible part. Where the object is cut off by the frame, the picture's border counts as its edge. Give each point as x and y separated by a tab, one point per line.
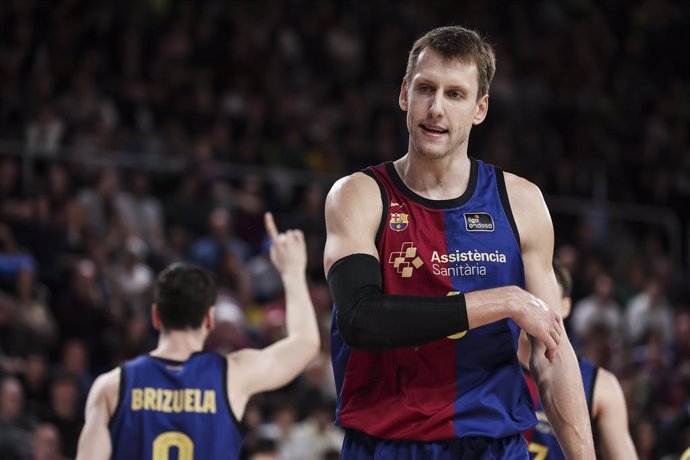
432	152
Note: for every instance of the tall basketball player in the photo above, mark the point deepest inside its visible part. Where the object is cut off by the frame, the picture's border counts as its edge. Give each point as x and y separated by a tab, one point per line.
435	261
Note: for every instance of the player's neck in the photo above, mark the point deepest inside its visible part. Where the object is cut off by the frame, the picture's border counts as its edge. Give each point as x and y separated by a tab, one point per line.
436	179
179	345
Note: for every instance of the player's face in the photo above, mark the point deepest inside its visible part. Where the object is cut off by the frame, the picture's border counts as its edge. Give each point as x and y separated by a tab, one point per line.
441	104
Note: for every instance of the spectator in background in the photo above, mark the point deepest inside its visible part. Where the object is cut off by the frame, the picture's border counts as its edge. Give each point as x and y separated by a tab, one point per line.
16	425
207	251
599	308
142	213
44	133
35	380
65	412
12	206
312	438
249	203
81	312
33	317
58	187
75	364
261	449
13	259
649	311
103	214
45	444
187	208
12	343
133	278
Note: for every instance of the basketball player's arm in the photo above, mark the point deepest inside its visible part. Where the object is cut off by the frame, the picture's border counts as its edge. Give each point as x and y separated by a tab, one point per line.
611	415
558	379
94	441
369	320
254	371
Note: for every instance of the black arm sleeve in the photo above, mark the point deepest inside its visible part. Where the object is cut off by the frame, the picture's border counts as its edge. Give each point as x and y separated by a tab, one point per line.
371	321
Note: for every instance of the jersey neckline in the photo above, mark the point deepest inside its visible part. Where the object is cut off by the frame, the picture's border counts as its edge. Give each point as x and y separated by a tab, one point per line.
174	362
436	204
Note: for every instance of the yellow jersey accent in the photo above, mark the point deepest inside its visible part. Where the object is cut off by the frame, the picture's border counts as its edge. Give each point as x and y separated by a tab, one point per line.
459	335
191	400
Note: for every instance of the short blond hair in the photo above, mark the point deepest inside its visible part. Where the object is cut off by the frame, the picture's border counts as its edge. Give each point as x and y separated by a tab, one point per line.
459	43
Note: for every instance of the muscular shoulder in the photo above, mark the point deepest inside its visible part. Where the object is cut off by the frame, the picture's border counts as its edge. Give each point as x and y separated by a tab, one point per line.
353	204
353	213
522	193
529	209
357	187
607	391
106	390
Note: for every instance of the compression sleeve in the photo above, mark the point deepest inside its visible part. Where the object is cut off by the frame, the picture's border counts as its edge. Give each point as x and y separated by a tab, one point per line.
372	321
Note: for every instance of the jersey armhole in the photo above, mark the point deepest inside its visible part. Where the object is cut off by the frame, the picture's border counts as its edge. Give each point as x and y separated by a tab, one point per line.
505	202
384	203
226	397
120	397
592	384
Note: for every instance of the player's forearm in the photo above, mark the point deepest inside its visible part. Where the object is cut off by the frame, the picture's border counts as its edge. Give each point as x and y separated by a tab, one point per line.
300	317
488	305
370	320
560	391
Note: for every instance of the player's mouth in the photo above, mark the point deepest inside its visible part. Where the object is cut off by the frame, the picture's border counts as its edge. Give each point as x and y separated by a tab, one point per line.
433	131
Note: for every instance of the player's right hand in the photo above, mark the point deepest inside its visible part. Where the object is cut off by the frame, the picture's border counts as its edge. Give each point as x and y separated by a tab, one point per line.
536	318
288	249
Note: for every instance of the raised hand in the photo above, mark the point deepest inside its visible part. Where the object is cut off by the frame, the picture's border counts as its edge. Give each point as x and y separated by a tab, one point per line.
288	249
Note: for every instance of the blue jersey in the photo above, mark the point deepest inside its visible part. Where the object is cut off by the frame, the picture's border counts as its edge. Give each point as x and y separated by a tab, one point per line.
543	444
174	410
469	384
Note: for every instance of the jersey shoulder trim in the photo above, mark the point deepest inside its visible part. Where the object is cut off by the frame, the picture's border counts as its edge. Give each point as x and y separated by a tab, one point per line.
505	202
384	202
120	397
226	397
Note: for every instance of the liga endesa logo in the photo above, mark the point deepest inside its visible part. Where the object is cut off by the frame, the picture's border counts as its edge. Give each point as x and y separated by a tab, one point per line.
479	222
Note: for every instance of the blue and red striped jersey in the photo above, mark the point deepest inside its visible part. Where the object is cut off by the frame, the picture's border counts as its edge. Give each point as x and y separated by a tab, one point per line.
471	383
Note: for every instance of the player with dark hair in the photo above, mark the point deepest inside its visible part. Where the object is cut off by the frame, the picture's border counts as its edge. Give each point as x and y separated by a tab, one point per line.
183	400
435	261
605	400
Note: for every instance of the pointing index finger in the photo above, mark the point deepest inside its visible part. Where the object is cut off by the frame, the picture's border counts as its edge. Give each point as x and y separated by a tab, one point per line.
271	228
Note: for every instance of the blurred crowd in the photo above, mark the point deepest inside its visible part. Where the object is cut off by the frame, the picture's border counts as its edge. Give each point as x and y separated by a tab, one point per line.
588	101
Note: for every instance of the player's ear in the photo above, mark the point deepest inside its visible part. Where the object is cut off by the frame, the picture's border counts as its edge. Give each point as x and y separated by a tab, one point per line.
402	99
155	318
210	318
482	109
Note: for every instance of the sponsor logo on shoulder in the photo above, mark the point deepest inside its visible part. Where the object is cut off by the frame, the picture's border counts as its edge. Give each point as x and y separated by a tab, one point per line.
479	222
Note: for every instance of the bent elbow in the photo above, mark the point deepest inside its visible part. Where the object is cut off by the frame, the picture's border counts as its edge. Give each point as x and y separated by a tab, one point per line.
312	347
361	339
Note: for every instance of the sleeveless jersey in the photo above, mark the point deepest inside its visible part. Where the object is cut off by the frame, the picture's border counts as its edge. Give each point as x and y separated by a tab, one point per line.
471	383
174	410
543	444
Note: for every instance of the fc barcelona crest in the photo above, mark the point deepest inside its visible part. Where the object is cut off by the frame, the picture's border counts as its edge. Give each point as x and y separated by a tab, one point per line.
398	221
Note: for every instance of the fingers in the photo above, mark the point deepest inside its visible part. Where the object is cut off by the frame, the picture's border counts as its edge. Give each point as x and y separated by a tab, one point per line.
270	224
296	235
550	354
555	336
